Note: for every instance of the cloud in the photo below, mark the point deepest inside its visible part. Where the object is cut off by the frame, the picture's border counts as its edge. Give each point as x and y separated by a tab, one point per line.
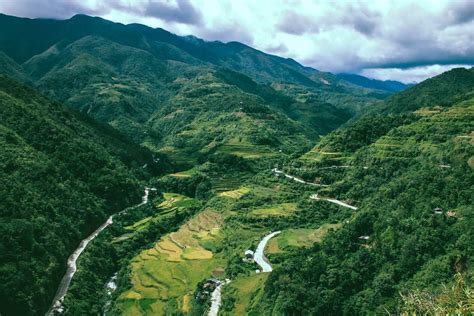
409	75
462	11
58	9
297	24
182	12
336	36
228	33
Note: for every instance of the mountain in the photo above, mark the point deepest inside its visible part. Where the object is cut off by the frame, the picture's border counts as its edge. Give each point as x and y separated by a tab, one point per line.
387	85
62	174
411	174
363	195
132	76
443	90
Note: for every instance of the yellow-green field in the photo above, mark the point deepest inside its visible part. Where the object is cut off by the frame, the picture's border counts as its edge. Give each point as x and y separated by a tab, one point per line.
173	203
184	174
283	209
165	277
246	290
317	156
301	237
235	194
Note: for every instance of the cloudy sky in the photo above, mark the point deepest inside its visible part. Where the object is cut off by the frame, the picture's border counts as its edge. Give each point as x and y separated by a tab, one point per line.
400	40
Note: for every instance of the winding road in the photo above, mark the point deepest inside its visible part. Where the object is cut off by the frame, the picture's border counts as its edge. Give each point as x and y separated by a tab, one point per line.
216	299
259	256
296	179
71	261
315	197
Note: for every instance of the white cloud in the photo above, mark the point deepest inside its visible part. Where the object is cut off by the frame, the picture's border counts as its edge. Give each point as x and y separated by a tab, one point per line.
409	75
336	36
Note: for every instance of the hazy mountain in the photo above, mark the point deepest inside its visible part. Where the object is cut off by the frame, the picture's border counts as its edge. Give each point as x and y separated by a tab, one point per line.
387	85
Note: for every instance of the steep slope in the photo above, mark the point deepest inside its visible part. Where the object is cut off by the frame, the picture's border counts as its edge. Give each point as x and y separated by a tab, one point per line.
10	68
134	91
121	74
411	175
61	175
443	90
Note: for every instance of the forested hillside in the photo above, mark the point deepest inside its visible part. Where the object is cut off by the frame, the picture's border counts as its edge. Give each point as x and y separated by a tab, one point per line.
62	174
412	177
135	77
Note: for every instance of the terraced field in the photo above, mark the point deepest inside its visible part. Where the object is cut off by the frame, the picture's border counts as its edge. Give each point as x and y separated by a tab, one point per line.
173	203
165	277
318	156
184	174
235	194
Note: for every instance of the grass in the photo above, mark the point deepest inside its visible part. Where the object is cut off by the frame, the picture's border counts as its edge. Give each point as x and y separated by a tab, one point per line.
283	209
301	237
165	277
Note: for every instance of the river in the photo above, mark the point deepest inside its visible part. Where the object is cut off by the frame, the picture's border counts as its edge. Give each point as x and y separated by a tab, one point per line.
71	261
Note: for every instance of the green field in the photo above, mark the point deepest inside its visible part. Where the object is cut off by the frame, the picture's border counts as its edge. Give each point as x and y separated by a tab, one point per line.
283	209
246	290
235	194
245	149
173	203
301	237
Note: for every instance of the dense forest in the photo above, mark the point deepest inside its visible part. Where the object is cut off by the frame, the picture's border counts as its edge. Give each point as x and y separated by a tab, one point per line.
62	174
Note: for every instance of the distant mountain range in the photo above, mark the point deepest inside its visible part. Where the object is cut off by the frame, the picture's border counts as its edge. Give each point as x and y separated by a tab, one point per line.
386	85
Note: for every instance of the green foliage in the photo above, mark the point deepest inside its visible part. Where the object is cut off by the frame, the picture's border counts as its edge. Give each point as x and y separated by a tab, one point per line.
398	174
61	176
457	300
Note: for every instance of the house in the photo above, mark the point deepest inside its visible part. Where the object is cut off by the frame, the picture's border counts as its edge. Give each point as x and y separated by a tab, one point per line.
249	254
438	210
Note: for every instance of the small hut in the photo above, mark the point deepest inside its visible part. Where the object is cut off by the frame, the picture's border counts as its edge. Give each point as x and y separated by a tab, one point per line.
249	254
438	211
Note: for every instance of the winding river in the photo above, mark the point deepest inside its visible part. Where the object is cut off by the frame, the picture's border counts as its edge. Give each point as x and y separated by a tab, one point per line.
71	261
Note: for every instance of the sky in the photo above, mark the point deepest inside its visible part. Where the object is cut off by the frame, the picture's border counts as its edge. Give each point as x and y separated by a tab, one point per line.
402	40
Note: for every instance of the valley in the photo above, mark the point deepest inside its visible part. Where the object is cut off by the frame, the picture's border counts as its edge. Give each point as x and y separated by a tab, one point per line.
147	173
